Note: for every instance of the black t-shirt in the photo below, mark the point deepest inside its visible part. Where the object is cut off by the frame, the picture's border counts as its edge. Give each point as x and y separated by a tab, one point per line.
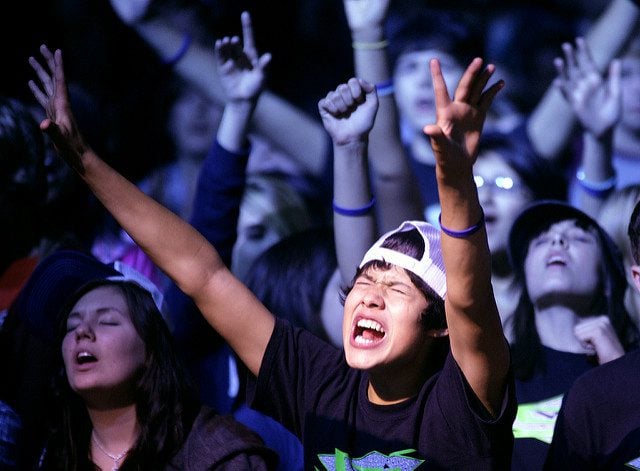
599	423
307	385
539	400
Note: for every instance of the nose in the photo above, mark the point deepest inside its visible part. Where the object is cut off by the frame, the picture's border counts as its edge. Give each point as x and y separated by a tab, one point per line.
559	238
373	297
84	330
485	194
423	77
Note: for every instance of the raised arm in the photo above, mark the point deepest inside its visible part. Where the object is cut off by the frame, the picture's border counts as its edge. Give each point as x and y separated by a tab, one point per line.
552	121
597	103
475	332
395	187
221	181
348	114
175	246
275	118
242	76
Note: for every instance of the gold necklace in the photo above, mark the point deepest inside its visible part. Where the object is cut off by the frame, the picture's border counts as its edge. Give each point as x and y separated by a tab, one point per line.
116	458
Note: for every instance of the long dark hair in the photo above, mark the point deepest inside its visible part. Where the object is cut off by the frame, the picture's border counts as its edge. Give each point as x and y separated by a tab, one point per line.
165	399
527	348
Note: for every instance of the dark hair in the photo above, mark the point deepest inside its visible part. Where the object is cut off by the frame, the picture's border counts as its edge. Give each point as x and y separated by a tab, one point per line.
527	348
423	29
634	232
22	180
543	179
165	399
290	277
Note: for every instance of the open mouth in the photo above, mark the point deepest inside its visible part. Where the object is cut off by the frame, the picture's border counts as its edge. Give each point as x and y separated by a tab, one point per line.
556	260
368	332
82	358
490	218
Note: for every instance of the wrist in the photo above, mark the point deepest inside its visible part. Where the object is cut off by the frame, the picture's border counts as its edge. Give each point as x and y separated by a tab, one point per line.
241	106
371	33
351	144
182	50
603	137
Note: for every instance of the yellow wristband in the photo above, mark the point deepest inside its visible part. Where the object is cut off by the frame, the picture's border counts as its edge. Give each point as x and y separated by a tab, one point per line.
370	45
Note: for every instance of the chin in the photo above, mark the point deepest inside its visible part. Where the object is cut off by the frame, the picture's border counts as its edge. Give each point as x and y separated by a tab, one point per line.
360	360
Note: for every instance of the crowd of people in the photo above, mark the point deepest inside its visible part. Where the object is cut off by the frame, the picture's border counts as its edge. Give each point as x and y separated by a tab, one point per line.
421	252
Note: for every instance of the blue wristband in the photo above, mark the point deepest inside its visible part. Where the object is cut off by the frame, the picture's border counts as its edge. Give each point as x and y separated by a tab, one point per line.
596	189
355	211
384	88
465	232
184	47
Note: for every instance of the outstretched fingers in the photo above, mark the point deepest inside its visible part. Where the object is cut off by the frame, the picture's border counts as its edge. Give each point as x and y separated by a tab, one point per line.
471	89
439	85
247	37
488	95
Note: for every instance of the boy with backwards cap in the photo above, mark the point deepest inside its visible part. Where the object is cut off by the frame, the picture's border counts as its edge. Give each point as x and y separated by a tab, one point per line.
387	401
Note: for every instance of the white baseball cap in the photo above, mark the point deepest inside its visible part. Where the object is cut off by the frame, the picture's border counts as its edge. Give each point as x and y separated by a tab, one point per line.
430	268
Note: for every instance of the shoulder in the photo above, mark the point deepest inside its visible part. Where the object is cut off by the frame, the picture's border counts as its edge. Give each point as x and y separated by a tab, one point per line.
615	376
219	440
224	430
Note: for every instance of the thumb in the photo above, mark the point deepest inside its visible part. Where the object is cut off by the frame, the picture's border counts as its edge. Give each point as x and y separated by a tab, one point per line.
264	60
52	130
366	86
438	139
433	131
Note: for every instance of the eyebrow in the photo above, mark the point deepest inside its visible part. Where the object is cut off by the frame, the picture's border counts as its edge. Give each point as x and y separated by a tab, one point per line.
100	310
390	283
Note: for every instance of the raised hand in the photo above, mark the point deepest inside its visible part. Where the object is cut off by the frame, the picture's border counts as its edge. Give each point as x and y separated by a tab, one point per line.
596	101
349	111
52	94
130	11
241	70
598	334
365	14
456	133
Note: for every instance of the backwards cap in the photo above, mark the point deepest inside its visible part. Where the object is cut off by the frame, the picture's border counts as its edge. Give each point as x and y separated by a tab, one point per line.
59	276
430	268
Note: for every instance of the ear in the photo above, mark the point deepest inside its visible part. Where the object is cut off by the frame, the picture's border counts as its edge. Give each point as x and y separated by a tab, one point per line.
437	333
635	273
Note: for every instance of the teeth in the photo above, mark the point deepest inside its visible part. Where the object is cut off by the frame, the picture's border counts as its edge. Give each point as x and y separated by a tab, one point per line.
370	324
84	357
362	341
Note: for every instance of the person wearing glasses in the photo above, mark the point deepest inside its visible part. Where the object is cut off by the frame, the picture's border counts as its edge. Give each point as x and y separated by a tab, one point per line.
509	176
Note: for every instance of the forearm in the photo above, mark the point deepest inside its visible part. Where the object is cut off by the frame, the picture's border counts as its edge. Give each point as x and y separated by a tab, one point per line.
188	259
353	234
394	183
467	259
234	125
293	132
197	65
176	248
475	331
552	122
596	170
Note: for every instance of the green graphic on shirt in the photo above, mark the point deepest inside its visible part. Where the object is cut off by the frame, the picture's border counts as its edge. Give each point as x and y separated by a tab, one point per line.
372	461
634	464
537	419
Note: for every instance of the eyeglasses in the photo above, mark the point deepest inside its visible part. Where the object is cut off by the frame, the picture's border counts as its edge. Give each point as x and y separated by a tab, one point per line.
500	182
